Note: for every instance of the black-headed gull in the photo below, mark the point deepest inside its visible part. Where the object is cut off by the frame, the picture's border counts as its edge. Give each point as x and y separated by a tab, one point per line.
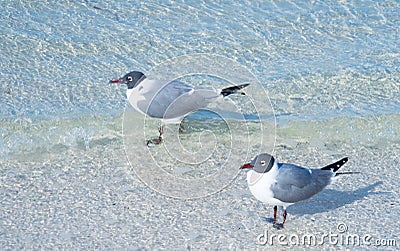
282	184
169	101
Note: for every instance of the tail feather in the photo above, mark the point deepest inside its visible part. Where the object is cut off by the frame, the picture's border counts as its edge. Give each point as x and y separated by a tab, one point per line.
335	166
340	173
233	89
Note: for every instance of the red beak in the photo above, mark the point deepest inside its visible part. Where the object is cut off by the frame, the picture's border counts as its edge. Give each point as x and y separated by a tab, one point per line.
245	166
117	81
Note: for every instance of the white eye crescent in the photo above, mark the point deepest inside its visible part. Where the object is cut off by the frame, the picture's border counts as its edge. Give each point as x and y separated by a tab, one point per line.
129	78
262	162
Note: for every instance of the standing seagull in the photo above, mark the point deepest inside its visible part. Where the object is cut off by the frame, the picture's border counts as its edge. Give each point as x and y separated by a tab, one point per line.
169	101
282	184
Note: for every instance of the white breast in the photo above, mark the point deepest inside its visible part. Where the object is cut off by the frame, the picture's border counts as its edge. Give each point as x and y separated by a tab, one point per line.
260	183
135	95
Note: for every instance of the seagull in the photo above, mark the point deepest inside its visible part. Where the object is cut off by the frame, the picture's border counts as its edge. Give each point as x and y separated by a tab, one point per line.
282	184
169	101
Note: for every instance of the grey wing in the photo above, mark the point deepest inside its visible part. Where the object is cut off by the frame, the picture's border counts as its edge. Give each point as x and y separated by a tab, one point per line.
177	99
160	94
294	183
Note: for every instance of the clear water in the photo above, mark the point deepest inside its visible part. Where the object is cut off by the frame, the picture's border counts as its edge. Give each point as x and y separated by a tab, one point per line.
318	60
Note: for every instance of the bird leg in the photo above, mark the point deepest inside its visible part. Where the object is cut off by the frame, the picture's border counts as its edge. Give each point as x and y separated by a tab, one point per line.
284	216
275	210
158	140
279	225
160	131
181	127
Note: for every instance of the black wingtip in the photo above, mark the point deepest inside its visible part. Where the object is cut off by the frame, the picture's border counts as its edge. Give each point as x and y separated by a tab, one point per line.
233	89
335	166
341	173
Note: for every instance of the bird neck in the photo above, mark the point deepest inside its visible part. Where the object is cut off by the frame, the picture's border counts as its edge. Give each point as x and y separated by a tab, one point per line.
254	178
128	93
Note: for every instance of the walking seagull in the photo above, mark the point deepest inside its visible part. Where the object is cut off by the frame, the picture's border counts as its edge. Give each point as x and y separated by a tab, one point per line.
282	184
169	101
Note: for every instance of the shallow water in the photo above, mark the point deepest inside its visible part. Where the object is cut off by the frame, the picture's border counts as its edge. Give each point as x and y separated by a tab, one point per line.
330	70
317	61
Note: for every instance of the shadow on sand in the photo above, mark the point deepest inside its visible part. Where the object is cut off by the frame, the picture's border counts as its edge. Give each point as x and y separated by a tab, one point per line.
330	199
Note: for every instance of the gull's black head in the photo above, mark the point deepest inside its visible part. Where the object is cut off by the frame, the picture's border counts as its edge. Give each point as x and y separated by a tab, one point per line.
262	163
131	79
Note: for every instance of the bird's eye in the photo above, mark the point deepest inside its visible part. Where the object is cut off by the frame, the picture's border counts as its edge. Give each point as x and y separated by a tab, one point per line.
129	78
262	162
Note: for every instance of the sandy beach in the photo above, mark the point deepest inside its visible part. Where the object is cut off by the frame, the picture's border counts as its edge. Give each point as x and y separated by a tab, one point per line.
91	199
